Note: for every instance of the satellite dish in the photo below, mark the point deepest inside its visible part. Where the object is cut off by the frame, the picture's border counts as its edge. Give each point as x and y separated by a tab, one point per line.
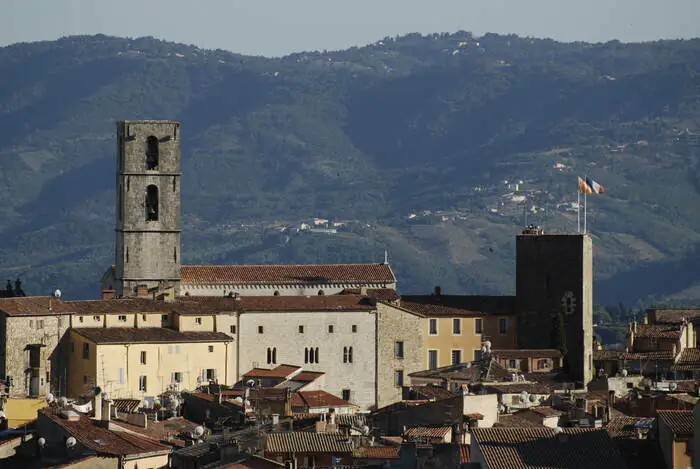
57	293
41	442
71	442
62	401
251	383
624	373
239	399
533	398
524	396
672	386
487	345
365	430
50	398
198	430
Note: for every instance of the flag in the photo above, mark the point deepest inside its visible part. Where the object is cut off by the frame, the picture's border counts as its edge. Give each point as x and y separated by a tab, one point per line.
595	187
583	187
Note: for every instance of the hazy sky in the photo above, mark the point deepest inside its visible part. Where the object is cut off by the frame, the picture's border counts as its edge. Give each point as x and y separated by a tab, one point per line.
278	27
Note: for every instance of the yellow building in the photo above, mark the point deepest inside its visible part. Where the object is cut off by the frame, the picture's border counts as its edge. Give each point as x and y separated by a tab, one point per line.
19	412
145	362
455	327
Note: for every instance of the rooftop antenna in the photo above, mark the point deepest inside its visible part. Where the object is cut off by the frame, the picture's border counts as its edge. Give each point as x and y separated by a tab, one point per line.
386	257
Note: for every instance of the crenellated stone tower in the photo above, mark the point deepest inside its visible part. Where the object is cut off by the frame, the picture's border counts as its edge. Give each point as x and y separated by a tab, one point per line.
148	206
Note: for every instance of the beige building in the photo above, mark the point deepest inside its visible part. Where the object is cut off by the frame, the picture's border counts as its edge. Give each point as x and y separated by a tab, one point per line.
675	431
143	363
455	327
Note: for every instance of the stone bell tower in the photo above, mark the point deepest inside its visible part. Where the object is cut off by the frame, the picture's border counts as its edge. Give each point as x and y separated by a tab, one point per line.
148	206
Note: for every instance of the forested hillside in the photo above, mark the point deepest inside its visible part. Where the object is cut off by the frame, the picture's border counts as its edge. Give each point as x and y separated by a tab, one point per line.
436	148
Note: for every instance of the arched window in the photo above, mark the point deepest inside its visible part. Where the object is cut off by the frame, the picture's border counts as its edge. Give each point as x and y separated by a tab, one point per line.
345	354
274	355
269	355
306	355
349	354
312	356
316	355
321	293
151	153
152	203
175	255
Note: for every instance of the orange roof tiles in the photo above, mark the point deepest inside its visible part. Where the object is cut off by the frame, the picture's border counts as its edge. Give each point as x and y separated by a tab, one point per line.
307	303
281	371
387	294
658	331
457	306
128	335
623	426
379	452
465	453
679	421
318	399
307	442
307	376
303	274
541	448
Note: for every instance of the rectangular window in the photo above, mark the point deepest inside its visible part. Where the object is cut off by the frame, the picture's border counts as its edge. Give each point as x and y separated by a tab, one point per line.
198	321
477	355
85	379
170	349
398	349
143	357
456	357
122	318
398	378
478	326
96	318
433	327
177	350
176	377
457	326
80	319
121	376
512	364
211	374
143	317
211	349
260	329
40	324
330	329
31	324
301	329
354	328
233	329
164	318
86	351
503	326
142	384
432	359
346	394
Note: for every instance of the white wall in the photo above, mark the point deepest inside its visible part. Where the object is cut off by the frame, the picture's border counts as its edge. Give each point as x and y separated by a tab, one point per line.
280	330
486	404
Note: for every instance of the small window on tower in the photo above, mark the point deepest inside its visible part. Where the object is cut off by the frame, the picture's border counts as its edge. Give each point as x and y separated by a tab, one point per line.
152	203
151	153
174	184
175	255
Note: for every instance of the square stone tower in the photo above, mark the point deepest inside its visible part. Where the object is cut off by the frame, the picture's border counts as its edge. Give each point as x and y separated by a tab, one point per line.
148	206
554	284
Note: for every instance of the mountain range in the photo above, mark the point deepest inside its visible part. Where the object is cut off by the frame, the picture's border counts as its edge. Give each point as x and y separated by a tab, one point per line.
436	149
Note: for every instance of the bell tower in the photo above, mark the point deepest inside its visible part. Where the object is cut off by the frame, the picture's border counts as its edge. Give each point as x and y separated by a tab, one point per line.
148	206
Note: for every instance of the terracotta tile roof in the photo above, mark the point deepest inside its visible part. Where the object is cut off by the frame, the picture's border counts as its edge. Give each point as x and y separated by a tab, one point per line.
430	392
307	303
465	453
104	441
378	452
31	306
606	354
400	405
304	274
658	331
673	316
546	411
307	376
164	430
307	442
688	385
679	421
524	448
281	371
128	335
385	294
427	432
517	388
655	355
317	399
526	353
689	356
458	306
394	440
516	421
624	426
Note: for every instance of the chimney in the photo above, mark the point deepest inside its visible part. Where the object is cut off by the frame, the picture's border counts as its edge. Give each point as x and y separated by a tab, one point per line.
108	294
97	406
438	291
363	291
106	411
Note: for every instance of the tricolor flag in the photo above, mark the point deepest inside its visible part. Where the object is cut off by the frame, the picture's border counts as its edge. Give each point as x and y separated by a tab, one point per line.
595	187
583	187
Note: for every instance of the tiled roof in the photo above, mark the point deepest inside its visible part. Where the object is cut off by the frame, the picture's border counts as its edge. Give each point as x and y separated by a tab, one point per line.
31	305
516	421
526	353
126	405
655	355
546	411
465	453
679	421
456	306
307	376
400	405
524	448
104	441
307	274
658	331
307	303
673	316
386	294
128	335
427	432
307	442
378	452
689	356
430	392
623	426
606	354
164	430
280	371
318	399
517	388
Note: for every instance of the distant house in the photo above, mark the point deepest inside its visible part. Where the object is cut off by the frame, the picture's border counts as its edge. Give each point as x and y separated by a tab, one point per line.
676	428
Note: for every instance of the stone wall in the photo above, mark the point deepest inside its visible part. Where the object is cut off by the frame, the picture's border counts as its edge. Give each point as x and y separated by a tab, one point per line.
395	324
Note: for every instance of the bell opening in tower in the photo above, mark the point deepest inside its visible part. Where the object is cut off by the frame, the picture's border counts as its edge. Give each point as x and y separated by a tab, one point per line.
151	153
152	203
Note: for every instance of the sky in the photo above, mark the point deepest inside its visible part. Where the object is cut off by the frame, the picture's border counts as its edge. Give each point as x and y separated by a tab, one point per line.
279	27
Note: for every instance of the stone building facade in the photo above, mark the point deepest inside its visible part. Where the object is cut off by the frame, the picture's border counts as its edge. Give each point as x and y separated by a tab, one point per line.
554	281
148	205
